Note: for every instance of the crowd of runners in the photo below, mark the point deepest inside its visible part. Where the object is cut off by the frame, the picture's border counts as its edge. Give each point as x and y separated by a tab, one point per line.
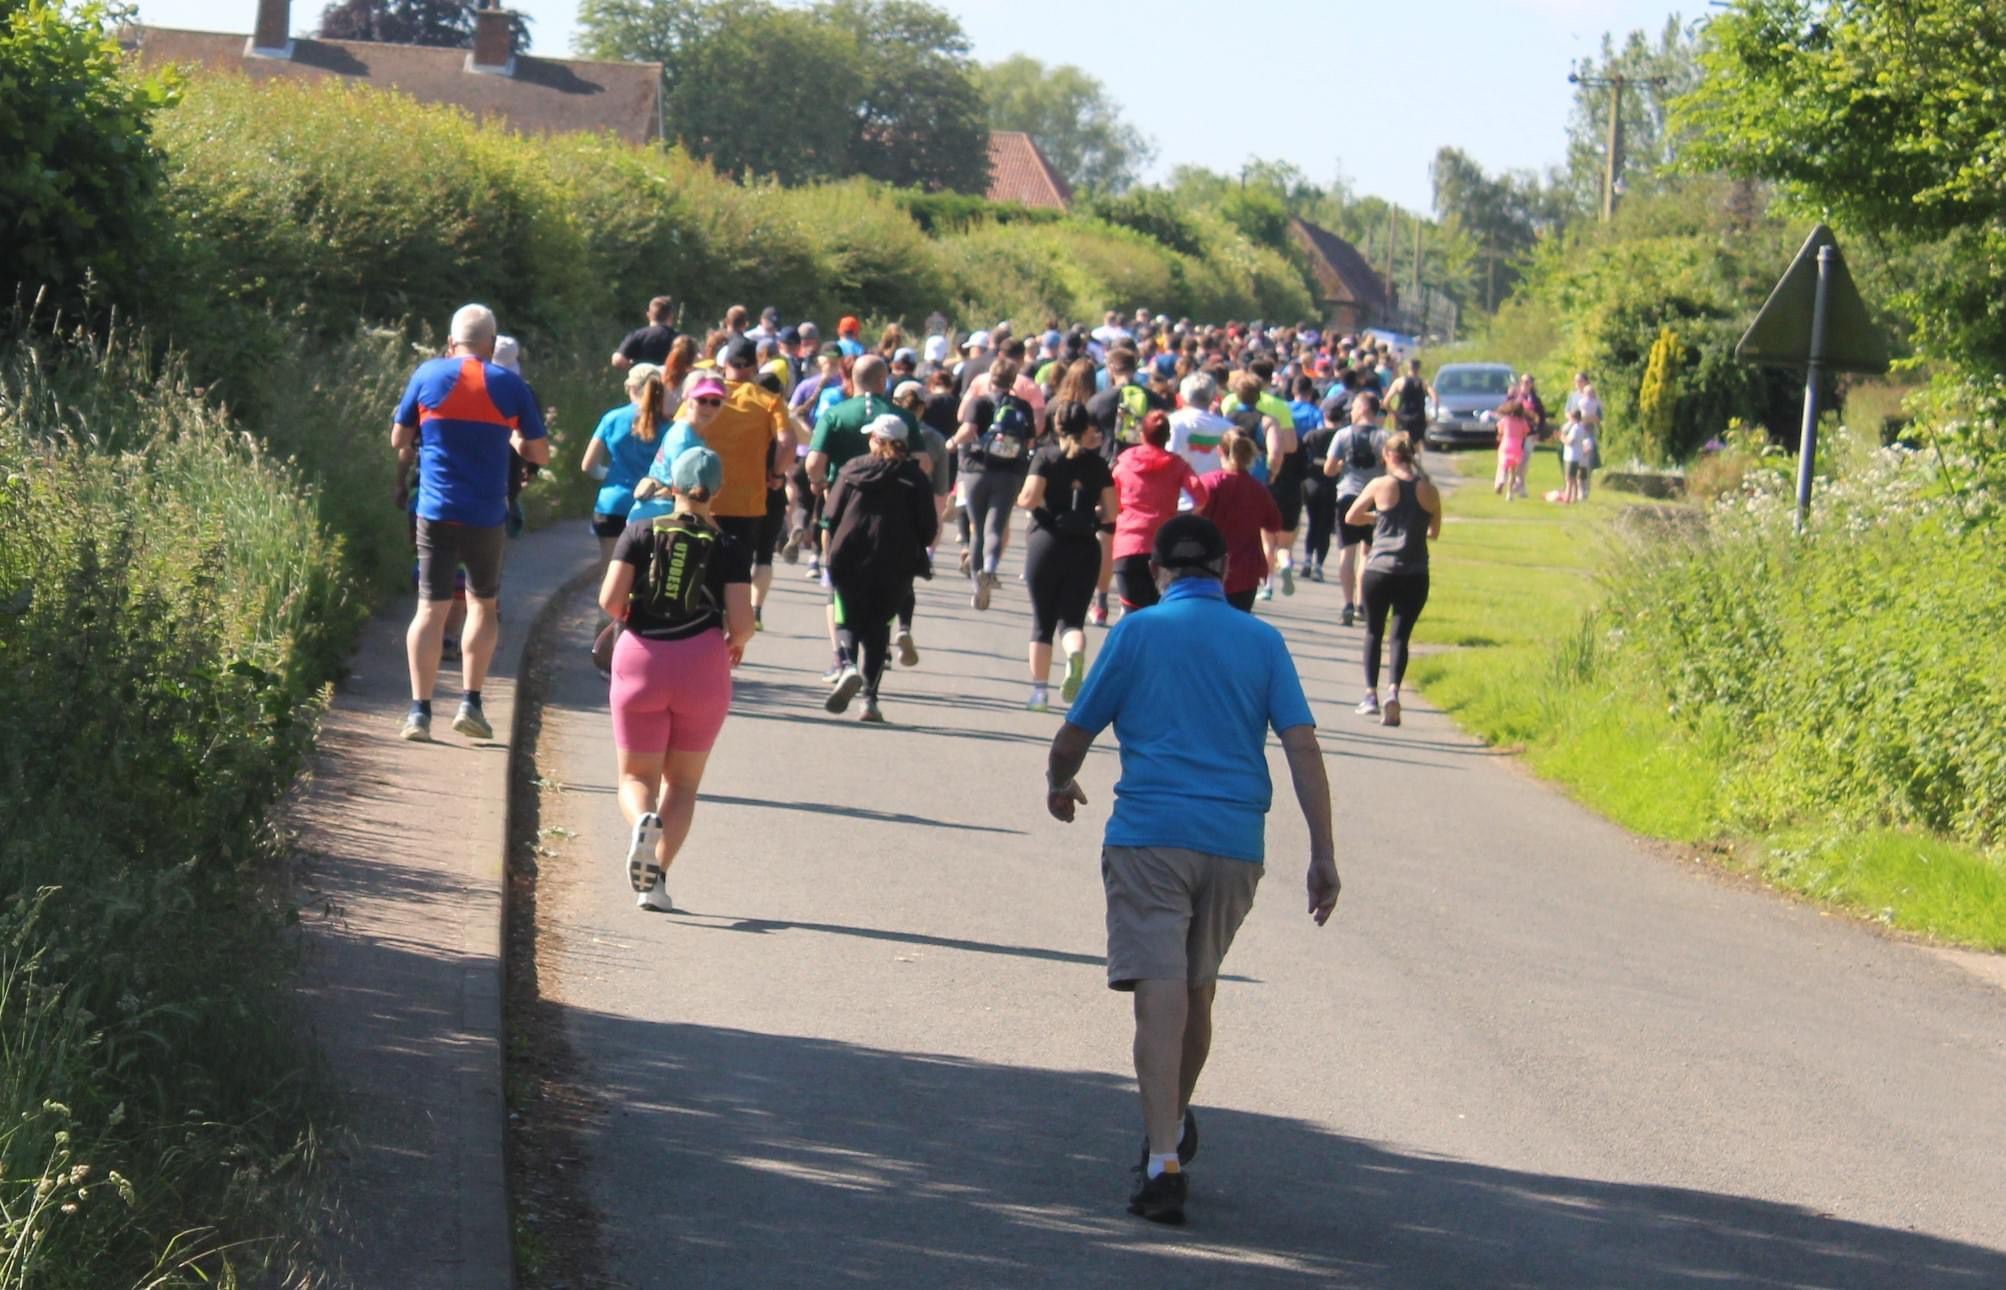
1173	477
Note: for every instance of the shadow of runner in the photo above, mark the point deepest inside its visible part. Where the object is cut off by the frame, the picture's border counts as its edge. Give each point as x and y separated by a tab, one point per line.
734	1158
852	812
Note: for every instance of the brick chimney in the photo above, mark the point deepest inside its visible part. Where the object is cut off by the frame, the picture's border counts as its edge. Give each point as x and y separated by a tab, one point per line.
491	42
272	37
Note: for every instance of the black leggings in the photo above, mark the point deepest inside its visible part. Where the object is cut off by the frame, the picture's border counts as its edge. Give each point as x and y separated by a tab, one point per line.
1062	573
1137	582
864	614
991	494
1320	501
1404	594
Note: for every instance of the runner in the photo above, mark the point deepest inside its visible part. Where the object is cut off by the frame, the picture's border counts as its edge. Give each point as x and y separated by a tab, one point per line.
1255	412
622	449
936	460
648	343
751	431
1195	429
998	431
848	329
1184	851
683	589
1118	410
1515	430
1410	397
842	434
1246	516
1405	512
1071	496
1150	483
1355	459
1320	493
459	418
880	519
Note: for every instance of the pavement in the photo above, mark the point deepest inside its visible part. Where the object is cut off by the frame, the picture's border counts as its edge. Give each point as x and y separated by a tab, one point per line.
401	853
875	1045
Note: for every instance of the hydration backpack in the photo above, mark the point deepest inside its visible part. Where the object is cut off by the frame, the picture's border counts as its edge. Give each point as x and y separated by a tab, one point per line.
1131	406
1364	453
676	591
1010	430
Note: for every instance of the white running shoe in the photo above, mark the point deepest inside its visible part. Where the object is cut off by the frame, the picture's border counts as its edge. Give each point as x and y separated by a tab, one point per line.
908	652
644	873
656	900
1040	700
848	682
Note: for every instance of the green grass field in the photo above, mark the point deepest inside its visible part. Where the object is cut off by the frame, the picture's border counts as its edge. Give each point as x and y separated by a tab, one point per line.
1505	651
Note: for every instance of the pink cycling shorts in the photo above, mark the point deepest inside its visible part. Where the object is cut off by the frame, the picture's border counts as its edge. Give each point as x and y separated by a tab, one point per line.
670	696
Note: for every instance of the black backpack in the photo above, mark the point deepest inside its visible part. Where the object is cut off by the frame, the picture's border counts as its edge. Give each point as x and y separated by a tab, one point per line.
1011	429
676	590
1364	453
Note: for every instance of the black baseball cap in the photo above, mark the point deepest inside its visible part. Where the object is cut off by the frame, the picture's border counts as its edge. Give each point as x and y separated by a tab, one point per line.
741	353
1188	542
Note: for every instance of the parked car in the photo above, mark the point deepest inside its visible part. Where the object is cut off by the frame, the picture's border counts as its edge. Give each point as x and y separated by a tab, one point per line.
1465	395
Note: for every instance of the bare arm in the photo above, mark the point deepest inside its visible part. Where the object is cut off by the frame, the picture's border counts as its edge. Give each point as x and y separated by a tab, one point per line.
1032	495
615	590
1069	753
1312	787
534	451
1431	502
595	454
1110	504
737	617
621	362
1362	509
405	440
817	467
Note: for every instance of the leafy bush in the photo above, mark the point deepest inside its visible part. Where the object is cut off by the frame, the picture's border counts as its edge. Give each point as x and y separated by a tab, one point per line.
940	213
1151	212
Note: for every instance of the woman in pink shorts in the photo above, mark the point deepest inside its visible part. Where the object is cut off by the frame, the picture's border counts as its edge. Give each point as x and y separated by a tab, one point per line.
684	590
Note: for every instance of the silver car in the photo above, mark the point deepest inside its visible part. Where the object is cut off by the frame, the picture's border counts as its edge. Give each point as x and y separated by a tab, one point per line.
1465	395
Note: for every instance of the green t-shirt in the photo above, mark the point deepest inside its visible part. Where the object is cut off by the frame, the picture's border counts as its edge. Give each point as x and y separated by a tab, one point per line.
1270	405
842	431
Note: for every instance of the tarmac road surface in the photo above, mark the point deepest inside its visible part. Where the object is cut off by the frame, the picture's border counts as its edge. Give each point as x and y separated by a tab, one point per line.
876	1047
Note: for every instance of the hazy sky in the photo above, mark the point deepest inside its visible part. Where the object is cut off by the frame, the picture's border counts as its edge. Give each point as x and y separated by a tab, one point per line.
1328	84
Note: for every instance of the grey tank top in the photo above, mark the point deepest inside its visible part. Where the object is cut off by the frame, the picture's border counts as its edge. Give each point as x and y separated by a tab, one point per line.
1400	533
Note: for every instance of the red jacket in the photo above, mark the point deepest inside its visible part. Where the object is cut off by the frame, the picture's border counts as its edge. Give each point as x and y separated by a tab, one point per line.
1147	482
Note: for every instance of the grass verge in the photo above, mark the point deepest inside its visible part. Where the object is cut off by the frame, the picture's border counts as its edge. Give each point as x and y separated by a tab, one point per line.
1526	668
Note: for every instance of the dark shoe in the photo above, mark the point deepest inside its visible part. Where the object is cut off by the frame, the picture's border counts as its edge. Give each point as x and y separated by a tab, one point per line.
1347	615
1187	1142
1159	1199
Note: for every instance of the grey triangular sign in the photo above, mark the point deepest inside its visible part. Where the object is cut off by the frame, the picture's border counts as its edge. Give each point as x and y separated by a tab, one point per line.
1781	333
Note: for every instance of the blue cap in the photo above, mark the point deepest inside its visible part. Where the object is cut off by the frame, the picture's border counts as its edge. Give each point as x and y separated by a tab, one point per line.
698	467
1166	365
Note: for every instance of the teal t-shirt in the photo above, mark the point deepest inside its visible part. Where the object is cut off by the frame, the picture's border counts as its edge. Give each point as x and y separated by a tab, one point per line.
678	437
627	459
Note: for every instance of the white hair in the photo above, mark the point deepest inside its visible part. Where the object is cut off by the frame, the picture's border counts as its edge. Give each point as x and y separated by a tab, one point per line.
1199	391
474	325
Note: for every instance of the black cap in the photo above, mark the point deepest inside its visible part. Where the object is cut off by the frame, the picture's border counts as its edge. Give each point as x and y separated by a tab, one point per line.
790	335
1188	542
741	353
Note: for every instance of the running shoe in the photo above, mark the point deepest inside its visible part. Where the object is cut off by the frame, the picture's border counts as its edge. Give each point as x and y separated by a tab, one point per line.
1288	580
1098	616
871	713
1316	573
1348	612
1159	1199
966	560
1187	1143
417	727
1390	715
1076	672
1040	700
759	619
848	682
656	900
470	722
814	573
835	671
790	550
908	652
1368	706
449	650
644	872
984	582
1268	590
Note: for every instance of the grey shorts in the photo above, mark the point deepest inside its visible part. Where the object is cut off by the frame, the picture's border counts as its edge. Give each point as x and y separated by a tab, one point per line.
1172	913
444	546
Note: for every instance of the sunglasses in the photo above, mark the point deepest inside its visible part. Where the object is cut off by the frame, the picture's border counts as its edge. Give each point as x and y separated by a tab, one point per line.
710	403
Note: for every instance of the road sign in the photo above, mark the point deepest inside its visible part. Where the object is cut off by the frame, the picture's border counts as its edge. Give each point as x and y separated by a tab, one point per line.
1814	319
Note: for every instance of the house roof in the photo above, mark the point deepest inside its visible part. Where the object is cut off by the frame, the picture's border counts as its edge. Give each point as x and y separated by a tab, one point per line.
1342	274
536	96
1018	172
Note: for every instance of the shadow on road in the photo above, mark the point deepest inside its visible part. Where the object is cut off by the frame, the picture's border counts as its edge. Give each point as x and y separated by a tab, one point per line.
852	812
770	1160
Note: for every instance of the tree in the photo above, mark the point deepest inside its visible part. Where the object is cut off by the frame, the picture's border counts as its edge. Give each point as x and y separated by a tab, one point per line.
804	94
1883	116
1659	74
445	23
79	176
1505	214
1068	112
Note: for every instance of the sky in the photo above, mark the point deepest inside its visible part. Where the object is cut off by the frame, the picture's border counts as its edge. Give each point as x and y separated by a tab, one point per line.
1321	83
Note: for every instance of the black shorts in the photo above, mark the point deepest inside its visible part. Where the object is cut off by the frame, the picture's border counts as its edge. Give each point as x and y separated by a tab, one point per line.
1243	600
754	532
607	525
1288	495
1350	534
1136	582
774	526
444	546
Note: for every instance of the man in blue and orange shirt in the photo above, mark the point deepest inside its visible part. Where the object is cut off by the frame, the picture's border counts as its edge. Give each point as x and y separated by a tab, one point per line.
459	418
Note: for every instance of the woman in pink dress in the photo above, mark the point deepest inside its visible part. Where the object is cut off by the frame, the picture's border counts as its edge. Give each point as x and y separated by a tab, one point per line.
1514	447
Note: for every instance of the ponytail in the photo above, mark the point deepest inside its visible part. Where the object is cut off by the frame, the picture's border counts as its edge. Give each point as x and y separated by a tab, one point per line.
648	416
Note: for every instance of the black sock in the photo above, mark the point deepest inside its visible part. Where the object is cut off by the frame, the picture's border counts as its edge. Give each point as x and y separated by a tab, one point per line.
421	707
472	698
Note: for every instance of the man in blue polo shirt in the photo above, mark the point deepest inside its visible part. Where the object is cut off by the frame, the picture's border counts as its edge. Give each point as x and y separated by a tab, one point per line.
459	418
1192	687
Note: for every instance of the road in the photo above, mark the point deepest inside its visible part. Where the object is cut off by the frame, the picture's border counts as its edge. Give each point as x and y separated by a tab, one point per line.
875	1045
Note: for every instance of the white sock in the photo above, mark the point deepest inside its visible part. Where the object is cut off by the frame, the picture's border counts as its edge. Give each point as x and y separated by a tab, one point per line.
1288	559
1165	1163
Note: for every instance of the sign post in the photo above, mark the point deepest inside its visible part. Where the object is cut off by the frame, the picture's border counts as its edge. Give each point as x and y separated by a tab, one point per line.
1814	319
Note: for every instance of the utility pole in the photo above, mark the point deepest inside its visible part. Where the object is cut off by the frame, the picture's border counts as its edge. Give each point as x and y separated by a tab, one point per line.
1612	158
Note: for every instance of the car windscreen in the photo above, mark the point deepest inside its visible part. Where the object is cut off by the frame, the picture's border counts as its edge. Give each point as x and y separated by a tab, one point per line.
1473	380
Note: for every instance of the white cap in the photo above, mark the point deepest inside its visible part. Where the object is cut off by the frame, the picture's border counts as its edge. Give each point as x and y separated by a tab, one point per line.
907	387
976	340
887	427
936	349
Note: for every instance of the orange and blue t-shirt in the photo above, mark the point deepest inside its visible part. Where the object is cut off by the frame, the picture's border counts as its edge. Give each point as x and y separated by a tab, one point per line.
466	411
